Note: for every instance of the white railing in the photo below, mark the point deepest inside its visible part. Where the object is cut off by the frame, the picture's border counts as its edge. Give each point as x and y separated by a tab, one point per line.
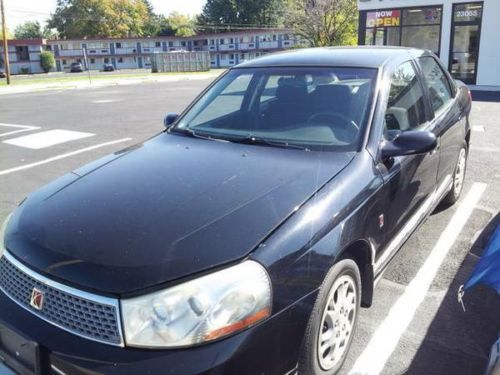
245	46
226	47
272	44
151	49
98	51
70	52
126	51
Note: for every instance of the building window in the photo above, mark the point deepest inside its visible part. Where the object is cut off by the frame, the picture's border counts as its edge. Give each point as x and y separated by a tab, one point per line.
157	44
106	60
92	61
64	62
22	53
120	59
170	44
421	28
409	27
183	44
118	45
221	41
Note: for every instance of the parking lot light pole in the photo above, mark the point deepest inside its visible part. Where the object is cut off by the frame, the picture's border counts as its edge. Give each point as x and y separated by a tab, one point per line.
5	44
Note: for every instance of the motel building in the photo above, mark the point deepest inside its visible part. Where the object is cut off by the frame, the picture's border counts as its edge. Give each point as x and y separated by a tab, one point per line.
464	34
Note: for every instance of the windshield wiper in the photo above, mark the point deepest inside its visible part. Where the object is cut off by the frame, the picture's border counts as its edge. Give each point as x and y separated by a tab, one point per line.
193	134
252	140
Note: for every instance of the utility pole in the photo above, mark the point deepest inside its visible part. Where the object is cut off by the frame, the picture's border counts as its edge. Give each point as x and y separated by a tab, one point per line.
5	44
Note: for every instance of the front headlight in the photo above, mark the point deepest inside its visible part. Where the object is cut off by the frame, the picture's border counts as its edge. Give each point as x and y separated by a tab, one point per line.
199	310
2	234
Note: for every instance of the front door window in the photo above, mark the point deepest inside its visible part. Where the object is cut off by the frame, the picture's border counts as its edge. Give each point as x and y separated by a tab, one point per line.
465	41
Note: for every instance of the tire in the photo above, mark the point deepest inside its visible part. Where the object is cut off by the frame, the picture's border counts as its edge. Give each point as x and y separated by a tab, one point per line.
315	357
458	178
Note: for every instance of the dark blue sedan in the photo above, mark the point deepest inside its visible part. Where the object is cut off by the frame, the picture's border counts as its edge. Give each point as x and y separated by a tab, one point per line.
245	237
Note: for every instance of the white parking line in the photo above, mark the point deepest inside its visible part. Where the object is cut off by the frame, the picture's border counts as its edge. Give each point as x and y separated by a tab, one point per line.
21	128
62	156
104	101
47	138
478	128
385	339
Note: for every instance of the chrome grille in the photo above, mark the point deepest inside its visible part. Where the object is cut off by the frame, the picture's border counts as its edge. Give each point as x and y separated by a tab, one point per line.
84	314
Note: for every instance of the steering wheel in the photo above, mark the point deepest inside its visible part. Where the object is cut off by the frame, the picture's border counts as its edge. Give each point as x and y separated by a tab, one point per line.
346	121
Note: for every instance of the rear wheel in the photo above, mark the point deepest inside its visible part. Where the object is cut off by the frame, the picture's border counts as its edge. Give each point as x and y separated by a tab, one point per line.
458	177
333	321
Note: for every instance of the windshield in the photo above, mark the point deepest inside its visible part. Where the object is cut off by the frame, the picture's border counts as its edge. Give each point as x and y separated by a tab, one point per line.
316	107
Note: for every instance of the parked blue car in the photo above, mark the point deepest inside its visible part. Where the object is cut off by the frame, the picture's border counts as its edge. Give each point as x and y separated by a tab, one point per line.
487	272
245	237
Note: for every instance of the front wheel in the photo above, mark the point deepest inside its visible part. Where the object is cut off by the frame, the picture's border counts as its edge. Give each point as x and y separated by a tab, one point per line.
333	320
458	177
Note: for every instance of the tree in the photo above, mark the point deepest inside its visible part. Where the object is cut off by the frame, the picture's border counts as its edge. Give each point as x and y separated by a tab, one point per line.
153	23
219	14
100	18
181	24
28	30
8	33
324	22
47	61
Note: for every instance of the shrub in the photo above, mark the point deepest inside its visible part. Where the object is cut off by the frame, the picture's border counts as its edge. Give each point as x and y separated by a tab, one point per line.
24	70
47	61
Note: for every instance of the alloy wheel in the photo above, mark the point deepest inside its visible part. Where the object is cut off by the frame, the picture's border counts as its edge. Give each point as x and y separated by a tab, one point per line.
337	322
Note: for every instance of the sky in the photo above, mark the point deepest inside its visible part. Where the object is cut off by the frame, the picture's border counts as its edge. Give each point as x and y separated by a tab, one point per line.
19	11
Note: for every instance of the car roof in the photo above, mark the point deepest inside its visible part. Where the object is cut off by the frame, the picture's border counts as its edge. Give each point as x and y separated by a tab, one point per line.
360	56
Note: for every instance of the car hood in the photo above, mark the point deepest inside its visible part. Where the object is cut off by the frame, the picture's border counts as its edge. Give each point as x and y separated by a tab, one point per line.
163	210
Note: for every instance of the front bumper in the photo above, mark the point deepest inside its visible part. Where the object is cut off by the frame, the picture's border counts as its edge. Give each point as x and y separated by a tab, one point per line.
271	347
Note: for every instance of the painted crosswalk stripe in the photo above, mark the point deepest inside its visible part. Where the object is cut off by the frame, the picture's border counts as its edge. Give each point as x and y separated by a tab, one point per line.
62	156
47	138
19	129
386	338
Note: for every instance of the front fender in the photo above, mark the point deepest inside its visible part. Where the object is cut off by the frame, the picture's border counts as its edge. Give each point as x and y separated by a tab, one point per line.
302	250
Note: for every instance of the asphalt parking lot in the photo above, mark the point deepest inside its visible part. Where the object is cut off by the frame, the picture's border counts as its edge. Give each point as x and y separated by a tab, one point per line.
435	337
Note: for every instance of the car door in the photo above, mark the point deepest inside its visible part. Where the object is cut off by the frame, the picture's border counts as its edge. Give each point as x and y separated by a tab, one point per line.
446	117
409	181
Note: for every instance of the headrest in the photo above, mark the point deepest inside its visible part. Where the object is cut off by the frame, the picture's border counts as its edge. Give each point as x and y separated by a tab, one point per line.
291	89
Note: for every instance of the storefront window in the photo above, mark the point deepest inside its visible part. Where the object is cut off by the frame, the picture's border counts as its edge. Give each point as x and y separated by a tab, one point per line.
412	27
424	16
425	37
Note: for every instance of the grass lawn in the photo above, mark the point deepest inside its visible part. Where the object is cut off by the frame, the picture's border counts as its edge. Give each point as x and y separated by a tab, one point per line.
50	79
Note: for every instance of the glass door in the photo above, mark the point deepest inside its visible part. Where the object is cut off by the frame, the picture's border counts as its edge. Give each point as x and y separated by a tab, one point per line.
464	46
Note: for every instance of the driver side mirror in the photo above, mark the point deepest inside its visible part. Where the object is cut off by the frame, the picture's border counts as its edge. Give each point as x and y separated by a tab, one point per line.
411	142
170	118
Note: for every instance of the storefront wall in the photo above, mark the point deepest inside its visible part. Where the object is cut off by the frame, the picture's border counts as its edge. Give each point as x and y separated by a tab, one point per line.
487	71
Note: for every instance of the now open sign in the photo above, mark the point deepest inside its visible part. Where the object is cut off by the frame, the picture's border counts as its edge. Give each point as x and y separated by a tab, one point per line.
383	18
